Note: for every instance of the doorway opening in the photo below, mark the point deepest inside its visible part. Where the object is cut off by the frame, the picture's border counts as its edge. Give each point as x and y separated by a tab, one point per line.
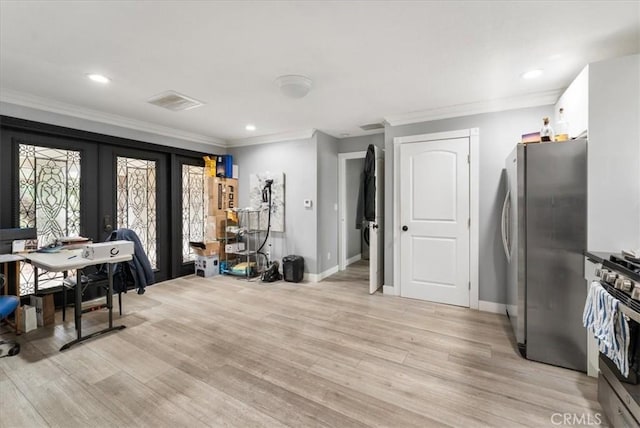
354	237
360	242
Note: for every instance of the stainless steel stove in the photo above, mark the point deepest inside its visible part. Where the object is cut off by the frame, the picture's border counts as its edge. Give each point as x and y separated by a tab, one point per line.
623	273
619	395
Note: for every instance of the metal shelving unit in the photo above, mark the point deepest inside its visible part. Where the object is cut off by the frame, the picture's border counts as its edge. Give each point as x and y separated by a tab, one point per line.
244	263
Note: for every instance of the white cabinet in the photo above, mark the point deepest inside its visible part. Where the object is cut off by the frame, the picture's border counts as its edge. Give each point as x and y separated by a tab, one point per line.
575	102
603	99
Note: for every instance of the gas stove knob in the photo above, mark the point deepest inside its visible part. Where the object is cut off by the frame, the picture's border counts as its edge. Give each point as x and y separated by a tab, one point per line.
609	277
601	271
623	284
635	293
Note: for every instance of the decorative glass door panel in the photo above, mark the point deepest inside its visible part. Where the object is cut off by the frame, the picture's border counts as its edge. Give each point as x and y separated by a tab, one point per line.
49	200
136	201
194	208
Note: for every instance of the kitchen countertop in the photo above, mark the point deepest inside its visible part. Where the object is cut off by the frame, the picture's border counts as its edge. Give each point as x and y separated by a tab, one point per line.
597	256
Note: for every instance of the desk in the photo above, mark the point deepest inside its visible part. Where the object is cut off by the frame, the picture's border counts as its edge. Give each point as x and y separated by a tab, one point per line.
66	260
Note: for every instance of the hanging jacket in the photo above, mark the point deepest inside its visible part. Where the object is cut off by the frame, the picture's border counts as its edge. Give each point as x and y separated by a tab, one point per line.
360	203
139	265
370	184
366	207
138	270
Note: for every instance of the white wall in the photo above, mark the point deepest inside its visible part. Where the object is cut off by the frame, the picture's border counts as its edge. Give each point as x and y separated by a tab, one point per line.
327	203
353	173
28	113
614	155
499	133
360	144
298	160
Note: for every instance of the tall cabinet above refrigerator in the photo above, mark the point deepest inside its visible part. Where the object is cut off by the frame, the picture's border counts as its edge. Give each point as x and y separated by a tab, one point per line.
544	235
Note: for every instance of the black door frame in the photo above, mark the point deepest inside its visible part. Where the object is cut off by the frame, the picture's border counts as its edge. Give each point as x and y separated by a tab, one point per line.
177	161
91	144
108	205
88	162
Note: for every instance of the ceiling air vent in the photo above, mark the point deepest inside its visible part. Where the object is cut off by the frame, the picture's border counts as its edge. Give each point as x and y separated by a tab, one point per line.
372	126
174	101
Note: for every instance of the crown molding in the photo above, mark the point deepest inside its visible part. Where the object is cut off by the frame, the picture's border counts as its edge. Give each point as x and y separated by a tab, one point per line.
40	103
272	138
489	106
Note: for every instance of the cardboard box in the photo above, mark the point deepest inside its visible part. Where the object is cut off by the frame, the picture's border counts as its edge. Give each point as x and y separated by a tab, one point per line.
109	249
533	137
205	248
234	247
28	319
45	309
207	266
221	224
223	194
210	229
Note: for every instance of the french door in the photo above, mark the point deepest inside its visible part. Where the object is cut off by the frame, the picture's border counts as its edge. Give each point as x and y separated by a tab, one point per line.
133	193
51	194
190	182
69	182
66	187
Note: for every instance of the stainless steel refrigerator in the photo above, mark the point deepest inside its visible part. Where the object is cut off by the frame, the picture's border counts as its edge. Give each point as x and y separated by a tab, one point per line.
544	234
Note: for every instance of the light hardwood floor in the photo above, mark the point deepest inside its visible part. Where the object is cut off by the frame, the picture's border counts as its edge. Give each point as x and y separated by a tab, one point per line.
227	352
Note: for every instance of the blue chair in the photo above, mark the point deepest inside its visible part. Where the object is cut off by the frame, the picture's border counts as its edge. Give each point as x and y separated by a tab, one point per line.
8	305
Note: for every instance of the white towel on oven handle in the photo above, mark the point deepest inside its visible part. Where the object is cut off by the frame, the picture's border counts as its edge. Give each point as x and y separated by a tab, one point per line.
608	324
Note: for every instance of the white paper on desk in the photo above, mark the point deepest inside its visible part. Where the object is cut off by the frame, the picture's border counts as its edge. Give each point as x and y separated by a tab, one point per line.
18	246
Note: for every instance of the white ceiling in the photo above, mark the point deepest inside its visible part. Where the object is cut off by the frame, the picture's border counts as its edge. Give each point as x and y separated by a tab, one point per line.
368	60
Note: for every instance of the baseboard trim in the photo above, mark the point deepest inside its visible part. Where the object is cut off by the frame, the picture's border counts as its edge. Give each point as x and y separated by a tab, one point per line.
354	259
495	308
317	277
389	290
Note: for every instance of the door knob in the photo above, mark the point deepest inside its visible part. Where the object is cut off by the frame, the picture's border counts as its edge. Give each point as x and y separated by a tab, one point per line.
405	228
374	226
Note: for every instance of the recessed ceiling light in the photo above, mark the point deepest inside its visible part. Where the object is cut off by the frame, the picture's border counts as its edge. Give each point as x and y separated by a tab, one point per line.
532	74
250	127
99	78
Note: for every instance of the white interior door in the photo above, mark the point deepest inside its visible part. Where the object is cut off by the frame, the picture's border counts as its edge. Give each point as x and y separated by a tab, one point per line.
434	213
376	249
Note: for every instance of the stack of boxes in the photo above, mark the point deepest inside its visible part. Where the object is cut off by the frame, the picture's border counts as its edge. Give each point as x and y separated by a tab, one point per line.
222	193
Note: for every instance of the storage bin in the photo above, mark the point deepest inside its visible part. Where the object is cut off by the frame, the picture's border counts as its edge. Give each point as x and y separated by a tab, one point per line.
293	268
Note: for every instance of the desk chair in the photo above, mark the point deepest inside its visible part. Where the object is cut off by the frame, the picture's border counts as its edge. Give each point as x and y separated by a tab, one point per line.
8	305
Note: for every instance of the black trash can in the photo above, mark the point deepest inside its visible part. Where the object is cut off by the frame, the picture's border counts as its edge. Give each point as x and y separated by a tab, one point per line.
293	268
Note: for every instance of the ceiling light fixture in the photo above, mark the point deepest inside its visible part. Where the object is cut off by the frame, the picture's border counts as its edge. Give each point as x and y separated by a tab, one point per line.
99	78
294	86
250	127
532	74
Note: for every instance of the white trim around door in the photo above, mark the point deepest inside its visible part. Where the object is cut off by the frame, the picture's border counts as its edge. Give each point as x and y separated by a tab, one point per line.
342	198
474	190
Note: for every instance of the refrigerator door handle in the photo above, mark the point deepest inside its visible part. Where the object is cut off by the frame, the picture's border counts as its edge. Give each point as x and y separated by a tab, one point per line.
505	238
